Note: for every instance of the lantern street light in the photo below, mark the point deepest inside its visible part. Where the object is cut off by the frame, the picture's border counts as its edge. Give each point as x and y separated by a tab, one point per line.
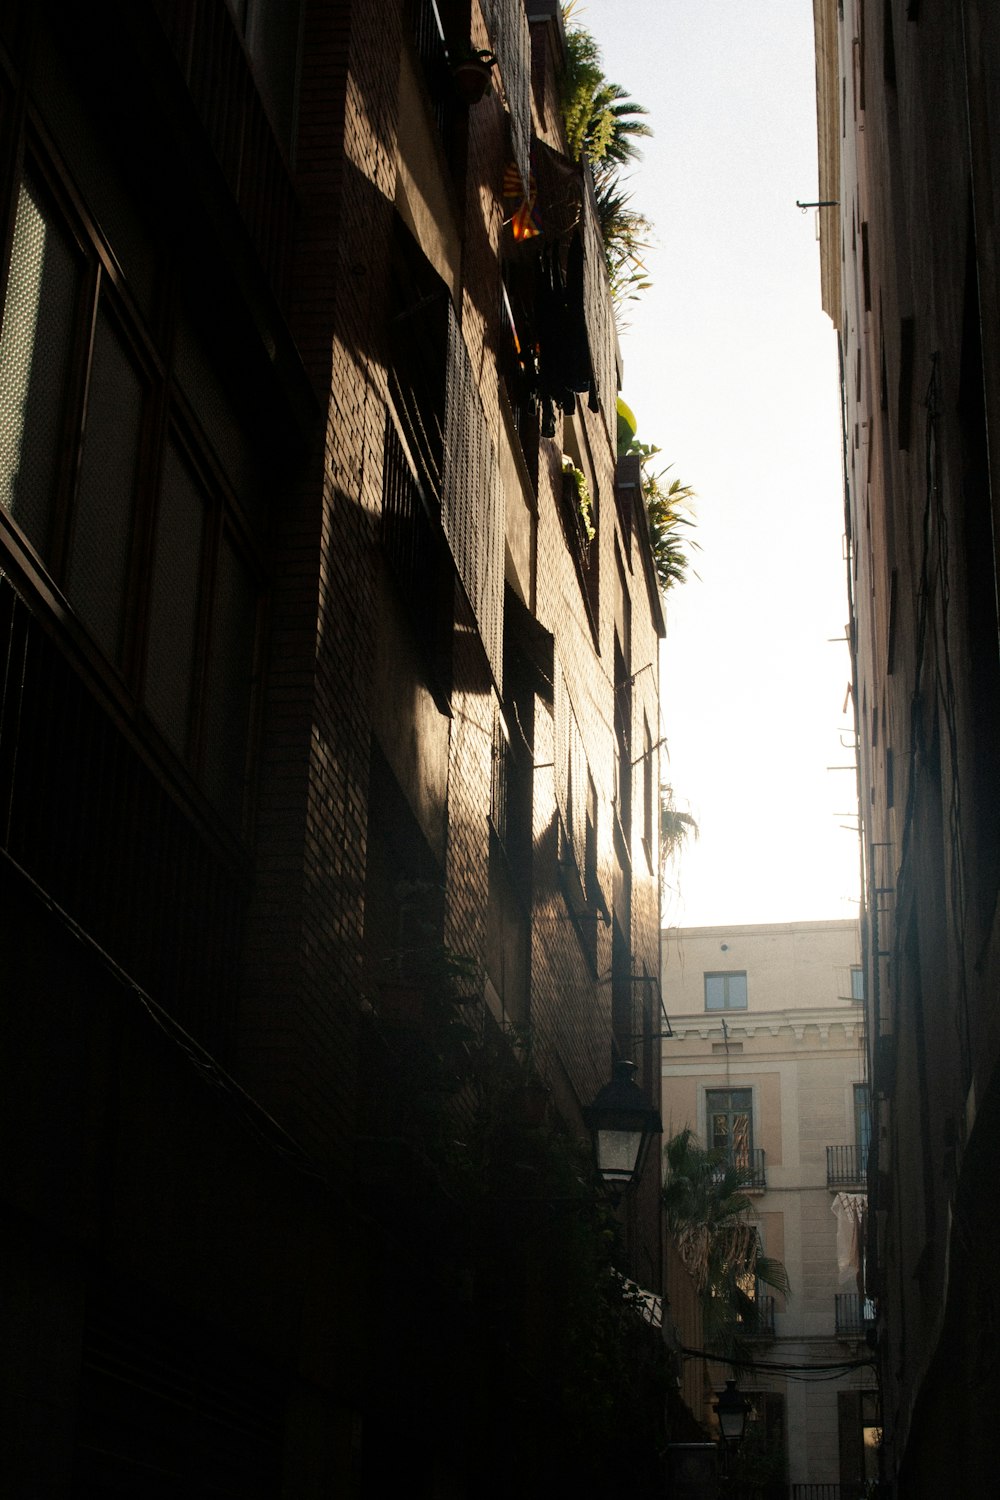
622	1127
731	1409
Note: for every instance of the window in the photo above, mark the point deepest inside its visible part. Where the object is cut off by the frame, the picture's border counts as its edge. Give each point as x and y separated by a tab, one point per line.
647	792
857	984
726	991
862	1119
730	1124
123	464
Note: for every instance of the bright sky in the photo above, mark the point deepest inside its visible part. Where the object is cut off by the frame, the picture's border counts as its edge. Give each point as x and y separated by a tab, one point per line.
731	368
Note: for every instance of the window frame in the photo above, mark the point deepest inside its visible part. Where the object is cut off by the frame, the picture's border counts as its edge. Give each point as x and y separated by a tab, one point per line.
732	1111
726	975
167	415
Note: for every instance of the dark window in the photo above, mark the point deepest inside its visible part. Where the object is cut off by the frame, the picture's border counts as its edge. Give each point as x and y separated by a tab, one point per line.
131	487
726	991
862	1118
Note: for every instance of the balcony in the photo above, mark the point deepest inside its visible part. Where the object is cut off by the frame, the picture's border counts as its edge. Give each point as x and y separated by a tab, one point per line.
859	1490
750	1162
846	1166
853	1315
762	1326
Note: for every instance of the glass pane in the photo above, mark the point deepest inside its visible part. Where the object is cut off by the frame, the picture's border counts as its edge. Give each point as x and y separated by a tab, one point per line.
736	986
35	346
173	615
726	991
102	526
230	670
715	991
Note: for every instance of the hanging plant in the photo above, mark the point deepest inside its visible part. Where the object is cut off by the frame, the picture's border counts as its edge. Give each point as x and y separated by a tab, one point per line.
582	501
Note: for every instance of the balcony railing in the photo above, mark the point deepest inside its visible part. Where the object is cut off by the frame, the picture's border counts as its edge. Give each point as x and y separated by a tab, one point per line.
429	43
853	1315
846	1166
858	1490
762	1326
751	1163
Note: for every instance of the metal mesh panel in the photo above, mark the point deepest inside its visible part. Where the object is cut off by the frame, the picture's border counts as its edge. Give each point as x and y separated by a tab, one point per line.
472	501
512	43
597	309
103	524
230	674
35	346
174	605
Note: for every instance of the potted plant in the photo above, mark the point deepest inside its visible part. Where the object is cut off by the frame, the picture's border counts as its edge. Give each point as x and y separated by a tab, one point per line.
472	74
575	486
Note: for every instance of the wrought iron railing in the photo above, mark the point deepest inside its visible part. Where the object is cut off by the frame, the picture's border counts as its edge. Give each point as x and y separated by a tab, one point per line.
859	1490
762	1324
846	1166
853	1315
429	43
218	73
750	1161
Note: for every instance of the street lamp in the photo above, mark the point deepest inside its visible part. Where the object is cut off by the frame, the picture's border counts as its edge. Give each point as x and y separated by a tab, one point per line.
622	1127
731	1409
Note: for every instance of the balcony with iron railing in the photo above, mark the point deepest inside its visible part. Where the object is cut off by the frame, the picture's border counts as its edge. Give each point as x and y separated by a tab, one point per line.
846	1166
761	1326
750	1161
853	1315
858	1490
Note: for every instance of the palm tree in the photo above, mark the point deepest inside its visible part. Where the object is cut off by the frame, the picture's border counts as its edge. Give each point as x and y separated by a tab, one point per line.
603	124
715	1229
600	119
665	507
676	826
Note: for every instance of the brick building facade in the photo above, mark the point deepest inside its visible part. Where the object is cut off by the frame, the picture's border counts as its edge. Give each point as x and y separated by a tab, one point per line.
908	148
328	748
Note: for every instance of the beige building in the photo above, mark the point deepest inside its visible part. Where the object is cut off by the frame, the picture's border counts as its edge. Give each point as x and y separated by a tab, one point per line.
766	1065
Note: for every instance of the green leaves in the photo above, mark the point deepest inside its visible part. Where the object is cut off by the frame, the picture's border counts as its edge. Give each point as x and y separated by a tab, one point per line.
666	504
604	125
714	1227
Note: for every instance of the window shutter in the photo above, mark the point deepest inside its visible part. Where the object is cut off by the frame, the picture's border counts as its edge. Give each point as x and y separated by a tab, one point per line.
35	347
472	503
108	472
512	44
598	311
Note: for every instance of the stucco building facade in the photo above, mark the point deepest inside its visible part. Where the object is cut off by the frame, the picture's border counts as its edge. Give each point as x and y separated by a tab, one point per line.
766	1065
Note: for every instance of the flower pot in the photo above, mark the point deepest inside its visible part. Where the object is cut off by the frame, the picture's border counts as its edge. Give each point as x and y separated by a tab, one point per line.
472	78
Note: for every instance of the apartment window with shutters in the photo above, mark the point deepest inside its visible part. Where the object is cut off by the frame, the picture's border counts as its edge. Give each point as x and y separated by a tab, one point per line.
126	469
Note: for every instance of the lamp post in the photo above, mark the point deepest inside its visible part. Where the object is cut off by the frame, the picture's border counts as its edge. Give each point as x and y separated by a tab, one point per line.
731	1409
622	1127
